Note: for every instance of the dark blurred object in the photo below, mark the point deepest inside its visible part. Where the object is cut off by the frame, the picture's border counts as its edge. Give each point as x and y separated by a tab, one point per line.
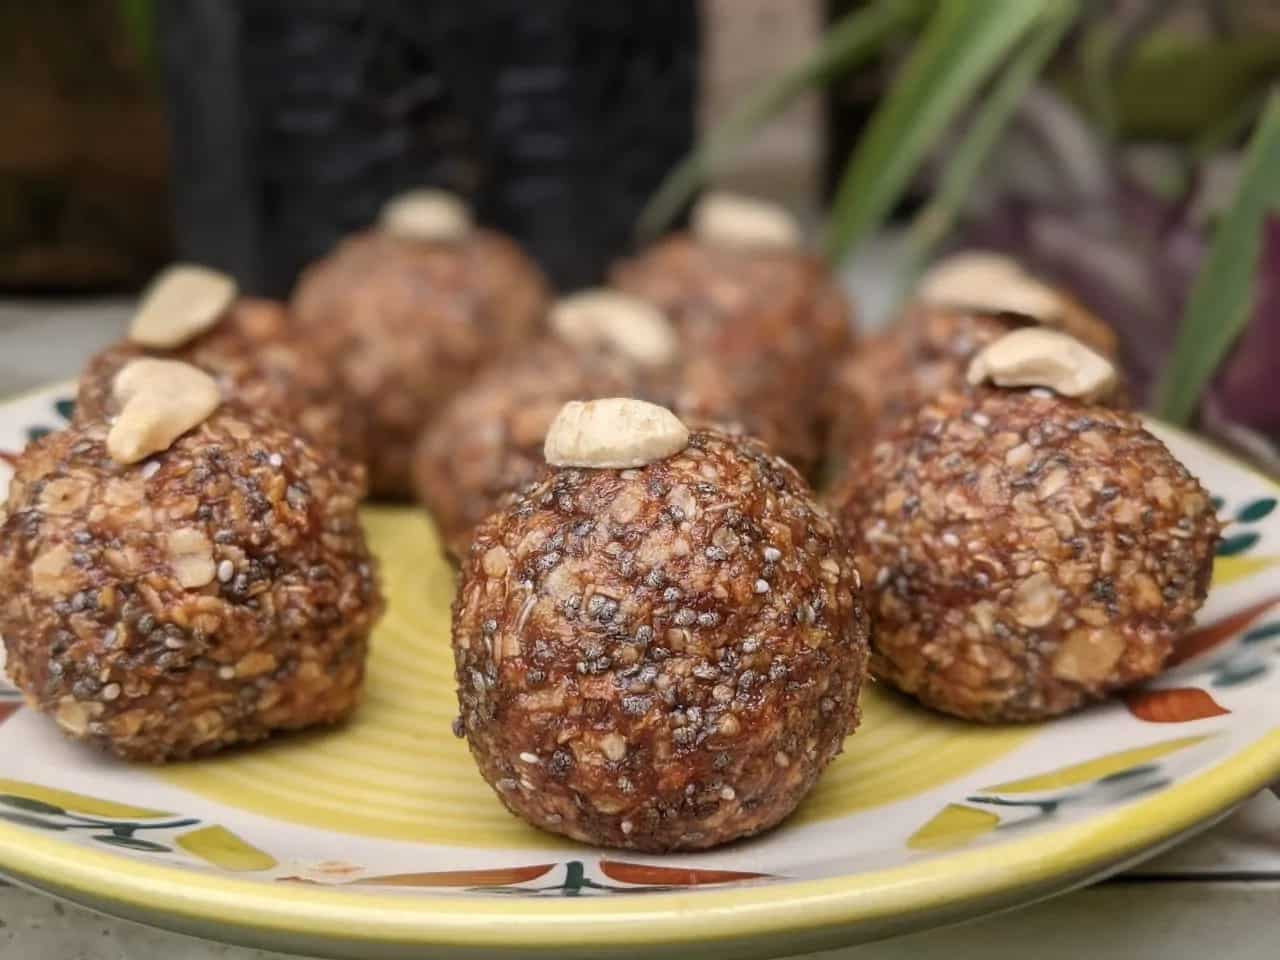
294	121
83	200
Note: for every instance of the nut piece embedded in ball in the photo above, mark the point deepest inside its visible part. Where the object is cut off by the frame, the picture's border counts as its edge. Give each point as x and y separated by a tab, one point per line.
735	220
159	400
426	214
1035	357
181	303
617	432
989	283
1028	553
662	657
612	320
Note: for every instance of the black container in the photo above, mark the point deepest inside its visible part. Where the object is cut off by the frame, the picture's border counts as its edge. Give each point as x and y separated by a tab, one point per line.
293	120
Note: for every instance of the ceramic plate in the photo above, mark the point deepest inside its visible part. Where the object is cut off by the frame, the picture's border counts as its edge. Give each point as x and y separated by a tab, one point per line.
381	840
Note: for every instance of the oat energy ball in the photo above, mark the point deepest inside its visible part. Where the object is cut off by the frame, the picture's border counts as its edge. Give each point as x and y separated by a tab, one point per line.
1026	553
661	656
214	592
247	345
487	442
406	314
963	304
761	322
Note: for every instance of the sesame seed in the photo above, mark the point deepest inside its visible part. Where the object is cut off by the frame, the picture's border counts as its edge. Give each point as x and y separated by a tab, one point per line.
626	827
276	460
781	759
111	691
150	469
727	793
772	554
226	673
528	757
981	419
174	643
762	586
226	570
950	539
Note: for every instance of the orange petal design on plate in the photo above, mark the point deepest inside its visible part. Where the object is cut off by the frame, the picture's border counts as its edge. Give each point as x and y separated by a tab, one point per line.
1206	638
1177	705
497	877
645	873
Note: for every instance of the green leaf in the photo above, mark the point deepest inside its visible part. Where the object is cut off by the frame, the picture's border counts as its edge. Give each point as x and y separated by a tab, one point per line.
31	806
965	163
963	43
1222	298
850	41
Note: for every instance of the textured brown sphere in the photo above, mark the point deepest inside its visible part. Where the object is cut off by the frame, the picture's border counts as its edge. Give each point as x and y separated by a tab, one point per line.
214	593
660	658
1026	554
402	324
760	332
487	441
257	360
924	354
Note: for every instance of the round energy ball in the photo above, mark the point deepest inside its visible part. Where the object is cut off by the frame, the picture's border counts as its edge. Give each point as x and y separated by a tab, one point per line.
487	441
924	354
1026	553
211	594
661	657
403	320
761	325
257	360
963	303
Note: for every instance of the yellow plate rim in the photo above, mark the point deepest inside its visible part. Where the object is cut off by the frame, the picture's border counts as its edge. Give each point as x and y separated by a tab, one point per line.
261	912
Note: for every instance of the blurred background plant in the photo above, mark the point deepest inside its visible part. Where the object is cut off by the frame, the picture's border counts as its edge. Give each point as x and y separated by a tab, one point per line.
1128	150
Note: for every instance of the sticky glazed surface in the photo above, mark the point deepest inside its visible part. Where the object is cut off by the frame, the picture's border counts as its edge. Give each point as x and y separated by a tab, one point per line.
401	325
1025	554
258	360
760	332
662	658
487	442
210	595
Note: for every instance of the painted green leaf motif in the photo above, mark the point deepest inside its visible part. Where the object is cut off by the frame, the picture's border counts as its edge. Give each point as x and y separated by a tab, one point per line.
1218	502
1237	544
30	805
1233	675
131	843
66	406
1262	633
1255	510
28	821
35	433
